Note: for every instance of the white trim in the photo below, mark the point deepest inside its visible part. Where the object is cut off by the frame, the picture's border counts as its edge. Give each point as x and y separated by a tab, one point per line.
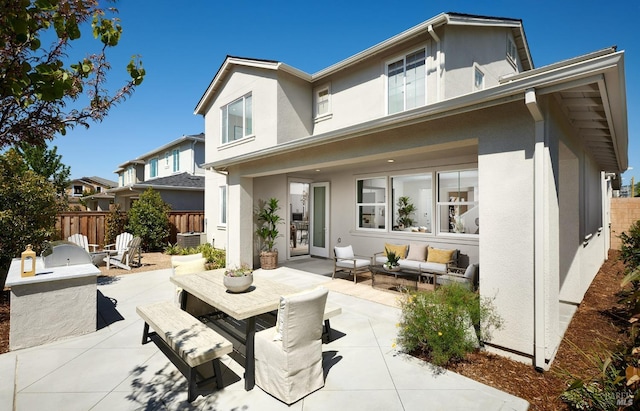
477	69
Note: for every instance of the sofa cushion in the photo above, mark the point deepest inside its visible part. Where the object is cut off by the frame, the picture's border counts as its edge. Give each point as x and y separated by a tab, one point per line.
438	268
412	264
400	250
437	255
417	252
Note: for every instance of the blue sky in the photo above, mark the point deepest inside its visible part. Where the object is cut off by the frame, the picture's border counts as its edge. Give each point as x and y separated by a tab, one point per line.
182	45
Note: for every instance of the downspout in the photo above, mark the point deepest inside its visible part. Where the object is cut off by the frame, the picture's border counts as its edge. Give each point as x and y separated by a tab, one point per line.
539	321
438	58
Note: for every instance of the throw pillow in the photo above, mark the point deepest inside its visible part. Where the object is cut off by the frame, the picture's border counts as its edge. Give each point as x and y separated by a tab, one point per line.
417	252
189	267
400	250
344	252
440	256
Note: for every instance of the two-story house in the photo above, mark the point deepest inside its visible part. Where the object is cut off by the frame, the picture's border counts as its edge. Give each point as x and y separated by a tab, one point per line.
174	170
83	193
510	164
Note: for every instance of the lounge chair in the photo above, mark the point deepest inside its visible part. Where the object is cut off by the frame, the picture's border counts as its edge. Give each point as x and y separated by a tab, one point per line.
81	240
127	257
346	260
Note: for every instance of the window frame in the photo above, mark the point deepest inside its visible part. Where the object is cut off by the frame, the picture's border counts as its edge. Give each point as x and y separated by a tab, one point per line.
222	206
430	203
476	70
403	57
316	106
175	155
383	205
247	121
512	51
449	204
153	167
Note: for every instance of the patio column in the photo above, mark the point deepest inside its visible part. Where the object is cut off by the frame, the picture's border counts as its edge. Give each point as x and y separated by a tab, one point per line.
240	223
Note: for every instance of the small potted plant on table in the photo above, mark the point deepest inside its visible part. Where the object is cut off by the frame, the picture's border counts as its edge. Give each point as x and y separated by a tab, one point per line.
392	261
239	279
268	221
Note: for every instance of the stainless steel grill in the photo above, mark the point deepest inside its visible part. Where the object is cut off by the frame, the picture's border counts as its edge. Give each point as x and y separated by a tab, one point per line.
62	253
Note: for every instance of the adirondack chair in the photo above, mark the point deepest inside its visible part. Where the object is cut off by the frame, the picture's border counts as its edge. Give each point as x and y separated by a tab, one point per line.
127	257
82	241
121	244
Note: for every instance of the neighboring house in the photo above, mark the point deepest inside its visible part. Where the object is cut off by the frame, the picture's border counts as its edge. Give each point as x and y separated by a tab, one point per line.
174	170
79	188
512	165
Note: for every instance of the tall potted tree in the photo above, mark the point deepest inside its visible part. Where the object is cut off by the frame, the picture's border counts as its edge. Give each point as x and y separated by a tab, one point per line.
405	210
268	221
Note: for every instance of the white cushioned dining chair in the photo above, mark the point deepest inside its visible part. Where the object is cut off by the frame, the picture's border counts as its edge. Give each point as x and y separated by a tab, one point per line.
289	356
346	260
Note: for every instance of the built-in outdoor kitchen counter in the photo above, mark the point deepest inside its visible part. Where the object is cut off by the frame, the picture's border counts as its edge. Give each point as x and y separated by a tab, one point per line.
59	301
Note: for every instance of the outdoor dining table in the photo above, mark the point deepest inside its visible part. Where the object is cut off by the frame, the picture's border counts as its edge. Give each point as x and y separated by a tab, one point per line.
261	298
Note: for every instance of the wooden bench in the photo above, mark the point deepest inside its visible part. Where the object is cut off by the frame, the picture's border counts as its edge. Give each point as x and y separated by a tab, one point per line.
186	341
330	311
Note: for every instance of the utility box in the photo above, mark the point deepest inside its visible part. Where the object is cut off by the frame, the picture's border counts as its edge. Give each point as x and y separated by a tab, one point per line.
189	240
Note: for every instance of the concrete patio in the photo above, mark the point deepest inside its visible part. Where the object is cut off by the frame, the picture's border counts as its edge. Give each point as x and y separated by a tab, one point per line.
111	370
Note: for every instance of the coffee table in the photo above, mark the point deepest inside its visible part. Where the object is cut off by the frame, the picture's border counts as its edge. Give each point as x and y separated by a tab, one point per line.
402	274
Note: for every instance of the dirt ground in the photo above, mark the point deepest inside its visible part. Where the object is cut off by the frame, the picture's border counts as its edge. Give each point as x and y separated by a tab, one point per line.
594	325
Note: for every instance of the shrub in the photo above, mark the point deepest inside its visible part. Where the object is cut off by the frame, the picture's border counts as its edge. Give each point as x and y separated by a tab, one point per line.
216	258
149	220
115	223
630	248
446	324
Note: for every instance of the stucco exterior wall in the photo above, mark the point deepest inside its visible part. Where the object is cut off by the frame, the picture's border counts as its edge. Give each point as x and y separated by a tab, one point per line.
294	108
464	46
262	85
216	231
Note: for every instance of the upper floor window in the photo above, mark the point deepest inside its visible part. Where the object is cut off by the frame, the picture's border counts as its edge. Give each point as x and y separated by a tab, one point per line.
166	160
372	203
129	176
323	101
78	190
406	82
478	78
98	189
512	51
153	167
237	119
176	160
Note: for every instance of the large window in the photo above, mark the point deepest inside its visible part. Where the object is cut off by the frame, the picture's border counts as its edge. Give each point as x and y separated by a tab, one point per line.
237	119
153	167
222	208
458	202
176	160
372	203
406	82
412	202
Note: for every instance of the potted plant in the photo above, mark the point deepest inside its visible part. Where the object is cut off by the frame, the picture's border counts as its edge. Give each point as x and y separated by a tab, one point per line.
405	209
238	279
268	221
392	261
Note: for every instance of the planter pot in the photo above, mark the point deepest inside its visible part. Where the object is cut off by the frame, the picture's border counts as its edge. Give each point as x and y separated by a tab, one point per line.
238	284
392	269
269	260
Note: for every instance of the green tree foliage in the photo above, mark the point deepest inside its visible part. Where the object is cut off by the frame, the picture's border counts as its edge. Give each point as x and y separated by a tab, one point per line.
47	163
28	209
630	249
149	220
115	223
36	83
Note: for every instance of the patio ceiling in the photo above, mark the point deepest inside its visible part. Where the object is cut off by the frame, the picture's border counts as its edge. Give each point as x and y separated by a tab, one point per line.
585	109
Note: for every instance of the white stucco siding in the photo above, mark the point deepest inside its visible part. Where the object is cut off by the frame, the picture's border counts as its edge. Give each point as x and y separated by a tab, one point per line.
215	229
262	84
265	188
294	102
465	46
506	173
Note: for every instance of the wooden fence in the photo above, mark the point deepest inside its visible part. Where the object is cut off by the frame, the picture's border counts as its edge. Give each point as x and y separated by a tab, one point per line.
92	224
